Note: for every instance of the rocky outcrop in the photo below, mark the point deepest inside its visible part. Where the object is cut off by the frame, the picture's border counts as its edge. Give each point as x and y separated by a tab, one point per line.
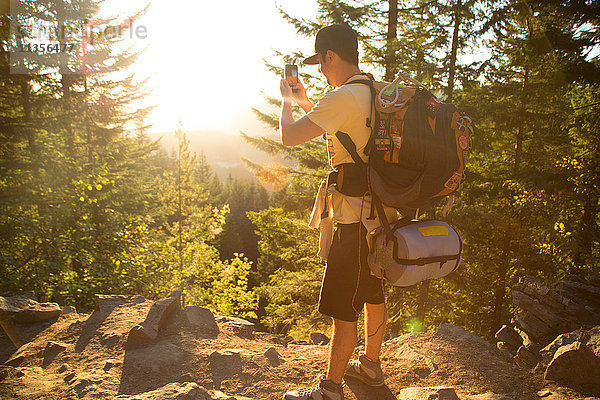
552	328
81	356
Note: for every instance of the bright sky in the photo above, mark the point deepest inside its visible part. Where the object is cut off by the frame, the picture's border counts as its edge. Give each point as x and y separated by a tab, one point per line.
205	59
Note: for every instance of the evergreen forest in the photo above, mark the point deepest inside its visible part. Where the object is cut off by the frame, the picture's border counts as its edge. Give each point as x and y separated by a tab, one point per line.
91	204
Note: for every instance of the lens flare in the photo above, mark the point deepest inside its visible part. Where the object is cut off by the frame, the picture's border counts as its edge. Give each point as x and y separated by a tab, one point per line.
274	177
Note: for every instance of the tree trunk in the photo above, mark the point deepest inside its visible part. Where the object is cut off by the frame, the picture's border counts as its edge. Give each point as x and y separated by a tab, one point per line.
588	230
390	55
27	112
453	51
520	128
500	289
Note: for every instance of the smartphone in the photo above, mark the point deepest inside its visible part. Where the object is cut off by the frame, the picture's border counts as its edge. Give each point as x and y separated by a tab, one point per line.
291	75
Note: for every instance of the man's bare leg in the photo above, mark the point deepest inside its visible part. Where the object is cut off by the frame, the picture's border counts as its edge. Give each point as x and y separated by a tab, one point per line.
375	319
343	341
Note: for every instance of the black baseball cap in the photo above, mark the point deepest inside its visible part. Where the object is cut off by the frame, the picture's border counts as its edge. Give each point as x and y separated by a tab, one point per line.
338	38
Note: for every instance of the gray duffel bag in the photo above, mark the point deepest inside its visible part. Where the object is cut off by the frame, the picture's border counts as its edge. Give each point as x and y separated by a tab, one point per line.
415	250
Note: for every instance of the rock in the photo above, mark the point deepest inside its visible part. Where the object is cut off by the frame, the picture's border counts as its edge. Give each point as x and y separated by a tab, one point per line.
544	393
537	329
507	355
218	395
68	310
490	396
225	363
201	319
319	339
594	341
575	364
550	318
147	331
281	340
510	338
237	326
300	342
548	352
51	351
69	377
106	302
24	310
273	356
428	393
109	364
526	357
453	332
584	298
172	391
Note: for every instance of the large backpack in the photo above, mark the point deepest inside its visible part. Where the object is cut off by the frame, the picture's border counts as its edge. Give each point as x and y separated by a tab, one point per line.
417	150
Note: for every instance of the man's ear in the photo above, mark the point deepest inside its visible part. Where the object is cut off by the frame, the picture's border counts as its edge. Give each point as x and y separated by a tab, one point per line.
330	55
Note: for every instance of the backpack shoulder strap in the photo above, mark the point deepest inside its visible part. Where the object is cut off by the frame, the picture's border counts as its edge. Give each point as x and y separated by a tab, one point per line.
373	124
350	147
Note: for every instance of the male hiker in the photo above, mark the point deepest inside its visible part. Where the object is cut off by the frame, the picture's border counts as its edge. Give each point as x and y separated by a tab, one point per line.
347	283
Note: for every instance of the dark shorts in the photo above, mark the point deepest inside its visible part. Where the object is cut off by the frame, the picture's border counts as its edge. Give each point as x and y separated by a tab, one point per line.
340	298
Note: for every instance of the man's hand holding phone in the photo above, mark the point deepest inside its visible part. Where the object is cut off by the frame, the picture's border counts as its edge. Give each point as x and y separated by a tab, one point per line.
292	88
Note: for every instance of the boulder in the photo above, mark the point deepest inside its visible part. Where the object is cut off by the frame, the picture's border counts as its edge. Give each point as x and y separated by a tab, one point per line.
526	357
172	391
24	310
202	319
537	329
428	393
225	363
147	331
574	364
548	352
548	316
106	302
237	326
512	340
68	310
273	356
319	339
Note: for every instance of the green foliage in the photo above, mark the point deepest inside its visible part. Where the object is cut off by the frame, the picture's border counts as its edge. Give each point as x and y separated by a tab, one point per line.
89	204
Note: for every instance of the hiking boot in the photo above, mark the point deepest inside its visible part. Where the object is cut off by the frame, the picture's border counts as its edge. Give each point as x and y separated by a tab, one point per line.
324	389
365	370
